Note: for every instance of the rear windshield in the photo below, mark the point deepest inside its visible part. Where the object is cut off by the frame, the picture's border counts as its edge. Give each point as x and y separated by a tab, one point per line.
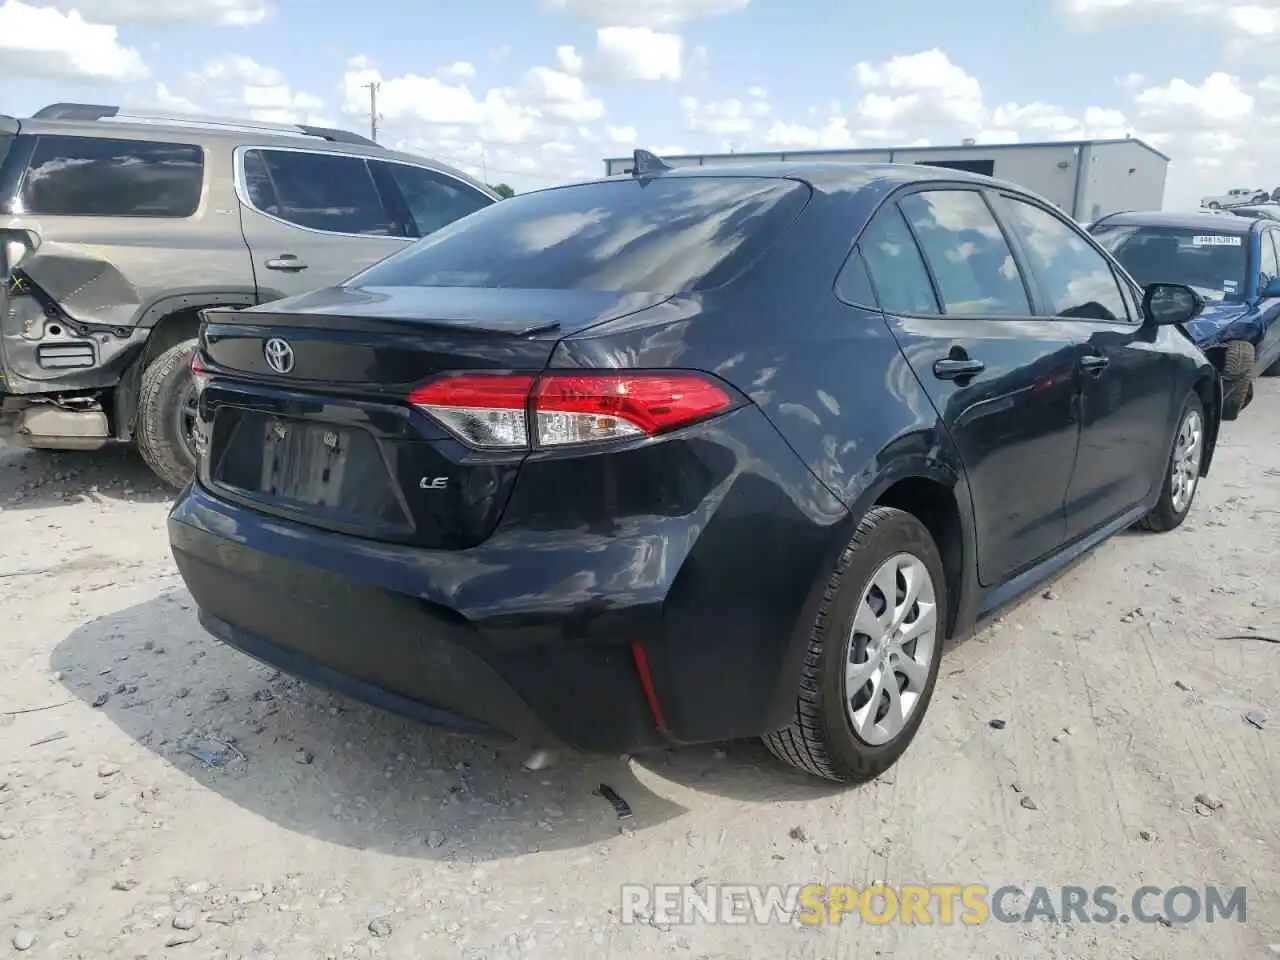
657	236
1215	264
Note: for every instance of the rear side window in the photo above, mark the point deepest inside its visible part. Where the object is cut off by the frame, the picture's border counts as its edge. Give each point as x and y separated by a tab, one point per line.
967	252
902	283
1077	279
318	191
90	177
434	200
671	236
1270	268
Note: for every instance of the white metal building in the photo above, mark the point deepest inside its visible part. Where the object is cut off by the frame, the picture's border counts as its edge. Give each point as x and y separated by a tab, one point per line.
1085	178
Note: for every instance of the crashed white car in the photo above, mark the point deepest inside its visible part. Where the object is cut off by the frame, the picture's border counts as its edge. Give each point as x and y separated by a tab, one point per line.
1236	197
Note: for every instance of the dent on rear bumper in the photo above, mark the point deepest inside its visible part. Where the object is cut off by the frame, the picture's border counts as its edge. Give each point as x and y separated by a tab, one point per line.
716	591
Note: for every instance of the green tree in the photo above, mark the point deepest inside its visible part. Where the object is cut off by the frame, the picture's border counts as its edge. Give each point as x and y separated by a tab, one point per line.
502	190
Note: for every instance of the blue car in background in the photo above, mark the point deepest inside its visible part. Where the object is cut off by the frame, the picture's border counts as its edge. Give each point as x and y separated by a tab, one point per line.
1233	262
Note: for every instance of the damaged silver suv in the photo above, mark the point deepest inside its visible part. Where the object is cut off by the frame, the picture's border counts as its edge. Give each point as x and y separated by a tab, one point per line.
116	230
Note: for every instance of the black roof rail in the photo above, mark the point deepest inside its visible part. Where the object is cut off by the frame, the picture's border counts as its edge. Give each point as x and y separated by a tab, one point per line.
85	112
75	111
335	135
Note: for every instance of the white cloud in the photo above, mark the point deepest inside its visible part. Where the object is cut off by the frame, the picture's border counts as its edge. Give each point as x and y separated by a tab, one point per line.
1217	128
919	88
833	134
231	13
624	135
561	96
638	53
235	85
644	13
627	54
731	117
532	133
46	44
1245	22
457	71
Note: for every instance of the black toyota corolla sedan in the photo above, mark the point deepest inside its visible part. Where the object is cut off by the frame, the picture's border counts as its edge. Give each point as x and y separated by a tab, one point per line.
686	455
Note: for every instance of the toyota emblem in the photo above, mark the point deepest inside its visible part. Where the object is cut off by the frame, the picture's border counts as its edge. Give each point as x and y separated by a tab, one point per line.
279	355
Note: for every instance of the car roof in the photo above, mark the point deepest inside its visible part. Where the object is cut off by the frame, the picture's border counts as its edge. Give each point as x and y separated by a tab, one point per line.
1190	221
829	175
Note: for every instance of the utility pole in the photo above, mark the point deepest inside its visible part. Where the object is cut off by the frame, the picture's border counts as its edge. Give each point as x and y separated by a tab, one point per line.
373	86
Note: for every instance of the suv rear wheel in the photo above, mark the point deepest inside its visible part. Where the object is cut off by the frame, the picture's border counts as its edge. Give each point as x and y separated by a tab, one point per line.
873	656
166	415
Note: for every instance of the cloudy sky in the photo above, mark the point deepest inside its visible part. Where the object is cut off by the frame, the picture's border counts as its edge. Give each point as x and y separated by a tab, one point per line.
535	92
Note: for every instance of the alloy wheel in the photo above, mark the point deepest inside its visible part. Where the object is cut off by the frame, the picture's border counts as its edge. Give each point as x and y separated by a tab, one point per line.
891	648
187	413
1185	470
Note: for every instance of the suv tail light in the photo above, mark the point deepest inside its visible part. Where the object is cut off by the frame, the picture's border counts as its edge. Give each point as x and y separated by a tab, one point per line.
519	411
198	372
15	246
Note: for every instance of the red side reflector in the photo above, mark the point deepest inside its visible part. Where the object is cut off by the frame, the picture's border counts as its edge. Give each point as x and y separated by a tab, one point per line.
641	659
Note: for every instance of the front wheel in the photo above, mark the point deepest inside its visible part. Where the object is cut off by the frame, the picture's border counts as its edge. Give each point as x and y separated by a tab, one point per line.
165	431
873	656
1214	205
1182	473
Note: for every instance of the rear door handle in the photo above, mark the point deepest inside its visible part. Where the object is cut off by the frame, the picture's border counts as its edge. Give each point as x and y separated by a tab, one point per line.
286	261
1094	363
954	368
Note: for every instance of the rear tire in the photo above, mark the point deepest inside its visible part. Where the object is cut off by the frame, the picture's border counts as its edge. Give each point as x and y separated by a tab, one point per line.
1238	359
164	398
1182	470
1239	397
841	685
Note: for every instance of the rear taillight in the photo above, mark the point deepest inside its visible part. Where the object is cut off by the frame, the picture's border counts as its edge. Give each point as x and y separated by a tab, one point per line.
517	411
198	372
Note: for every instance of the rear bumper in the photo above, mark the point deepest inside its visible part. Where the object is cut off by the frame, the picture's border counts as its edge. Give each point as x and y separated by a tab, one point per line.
532	633
396	651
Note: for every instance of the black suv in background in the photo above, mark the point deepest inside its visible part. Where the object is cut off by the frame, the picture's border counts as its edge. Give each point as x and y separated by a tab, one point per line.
116	230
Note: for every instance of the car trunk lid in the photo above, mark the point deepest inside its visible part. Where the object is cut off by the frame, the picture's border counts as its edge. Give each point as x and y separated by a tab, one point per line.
305	412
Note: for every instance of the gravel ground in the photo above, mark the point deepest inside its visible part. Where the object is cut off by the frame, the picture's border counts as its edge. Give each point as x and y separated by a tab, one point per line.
163	796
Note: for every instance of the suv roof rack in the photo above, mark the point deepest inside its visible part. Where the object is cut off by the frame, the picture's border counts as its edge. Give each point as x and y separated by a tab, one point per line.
88	112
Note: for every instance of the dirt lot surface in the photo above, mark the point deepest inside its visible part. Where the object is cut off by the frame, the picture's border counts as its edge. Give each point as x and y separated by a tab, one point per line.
161	795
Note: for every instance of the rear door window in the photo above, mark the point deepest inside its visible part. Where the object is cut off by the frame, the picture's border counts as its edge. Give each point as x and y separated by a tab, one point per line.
1075	277
1270	268
333	193
434	200
99	177
674	235
901	281
967	253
